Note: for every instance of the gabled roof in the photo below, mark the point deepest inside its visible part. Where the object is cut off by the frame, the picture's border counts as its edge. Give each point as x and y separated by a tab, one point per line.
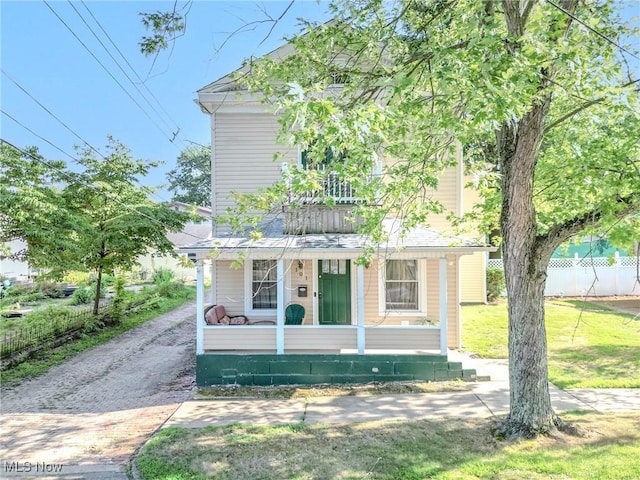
416	242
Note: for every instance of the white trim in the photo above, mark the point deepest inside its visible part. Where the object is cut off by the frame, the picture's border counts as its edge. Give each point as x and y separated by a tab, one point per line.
442	270
360	336
422	290
280	309
248	292
213	176
353	286
314	289
199	308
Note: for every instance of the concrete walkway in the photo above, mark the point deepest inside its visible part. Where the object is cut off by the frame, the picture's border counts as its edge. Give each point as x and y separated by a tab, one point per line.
482	399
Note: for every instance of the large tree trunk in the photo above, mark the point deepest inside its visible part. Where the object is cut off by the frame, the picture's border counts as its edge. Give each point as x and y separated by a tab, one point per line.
525	262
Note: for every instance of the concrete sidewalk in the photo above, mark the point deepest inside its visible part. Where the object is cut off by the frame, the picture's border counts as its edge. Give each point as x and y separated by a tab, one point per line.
483	399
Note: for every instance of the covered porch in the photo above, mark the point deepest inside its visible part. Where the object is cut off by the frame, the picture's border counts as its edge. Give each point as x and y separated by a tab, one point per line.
391	318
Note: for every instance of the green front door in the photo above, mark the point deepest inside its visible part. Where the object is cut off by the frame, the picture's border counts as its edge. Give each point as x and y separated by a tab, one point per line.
334	292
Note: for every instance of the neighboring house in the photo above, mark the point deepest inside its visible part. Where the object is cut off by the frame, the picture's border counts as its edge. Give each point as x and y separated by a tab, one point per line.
393	319
192	232
16	270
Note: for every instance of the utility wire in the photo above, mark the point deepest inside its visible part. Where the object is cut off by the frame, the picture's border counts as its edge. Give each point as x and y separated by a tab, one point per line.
65	126
39	136
590	28
120	67
76	179
105	69
142	82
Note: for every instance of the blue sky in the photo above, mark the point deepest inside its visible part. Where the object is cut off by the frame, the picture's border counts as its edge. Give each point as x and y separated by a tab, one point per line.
41	55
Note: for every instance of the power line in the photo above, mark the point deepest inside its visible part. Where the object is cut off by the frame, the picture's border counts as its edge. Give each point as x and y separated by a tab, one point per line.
105	68
76	179
39	136
65	126
142	82
120	67
590	28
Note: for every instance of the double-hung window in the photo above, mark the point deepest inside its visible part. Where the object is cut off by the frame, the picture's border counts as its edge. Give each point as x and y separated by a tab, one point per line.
264	280
401	285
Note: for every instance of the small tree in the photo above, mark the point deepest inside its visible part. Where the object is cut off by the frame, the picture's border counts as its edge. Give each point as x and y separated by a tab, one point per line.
117	222
190	180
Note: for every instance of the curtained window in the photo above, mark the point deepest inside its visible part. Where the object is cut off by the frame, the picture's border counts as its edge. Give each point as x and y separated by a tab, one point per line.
401	285
264	284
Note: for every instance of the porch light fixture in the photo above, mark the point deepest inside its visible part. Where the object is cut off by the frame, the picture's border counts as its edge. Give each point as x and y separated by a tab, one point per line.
300	264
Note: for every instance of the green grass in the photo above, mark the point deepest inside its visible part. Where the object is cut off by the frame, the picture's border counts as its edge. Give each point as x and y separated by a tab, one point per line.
48	358
434	449
589	346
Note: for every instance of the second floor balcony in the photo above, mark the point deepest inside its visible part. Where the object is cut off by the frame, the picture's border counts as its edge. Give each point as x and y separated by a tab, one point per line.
326	207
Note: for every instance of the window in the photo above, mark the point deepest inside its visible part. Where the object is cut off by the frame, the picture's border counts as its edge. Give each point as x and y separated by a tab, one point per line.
401	285
264	285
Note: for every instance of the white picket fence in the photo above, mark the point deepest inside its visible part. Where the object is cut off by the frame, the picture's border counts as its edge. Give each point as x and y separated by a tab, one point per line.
592	276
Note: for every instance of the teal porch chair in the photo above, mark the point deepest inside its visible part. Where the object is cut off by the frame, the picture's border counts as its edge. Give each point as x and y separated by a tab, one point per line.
293	314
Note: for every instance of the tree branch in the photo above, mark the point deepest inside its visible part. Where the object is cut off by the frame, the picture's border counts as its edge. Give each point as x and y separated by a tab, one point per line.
586	105
562	232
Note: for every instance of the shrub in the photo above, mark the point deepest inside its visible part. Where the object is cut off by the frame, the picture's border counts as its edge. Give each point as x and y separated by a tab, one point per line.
162	275
495	283
82	295
77	278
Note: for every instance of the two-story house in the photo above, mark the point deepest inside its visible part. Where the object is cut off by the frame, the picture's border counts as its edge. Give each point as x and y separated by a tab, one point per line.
298	308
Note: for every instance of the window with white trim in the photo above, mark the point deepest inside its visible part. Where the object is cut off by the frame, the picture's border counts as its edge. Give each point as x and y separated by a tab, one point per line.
264	285
401	285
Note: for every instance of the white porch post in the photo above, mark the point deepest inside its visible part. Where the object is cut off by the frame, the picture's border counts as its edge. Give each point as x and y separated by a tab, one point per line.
443	306
199	308
360	331
280	308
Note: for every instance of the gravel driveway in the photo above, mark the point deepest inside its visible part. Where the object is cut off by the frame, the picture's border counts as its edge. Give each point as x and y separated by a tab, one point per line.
92	412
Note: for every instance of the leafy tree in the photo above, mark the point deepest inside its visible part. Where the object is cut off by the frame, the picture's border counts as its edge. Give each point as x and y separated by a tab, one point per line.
546	108
95	220
190	181
118	223
32	207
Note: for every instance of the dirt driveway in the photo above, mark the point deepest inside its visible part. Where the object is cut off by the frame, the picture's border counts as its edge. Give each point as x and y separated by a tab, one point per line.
93	411
630	304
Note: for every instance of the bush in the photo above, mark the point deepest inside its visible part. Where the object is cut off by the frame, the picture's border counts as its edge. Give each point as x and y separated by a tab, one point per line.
162	275
495	284
82	295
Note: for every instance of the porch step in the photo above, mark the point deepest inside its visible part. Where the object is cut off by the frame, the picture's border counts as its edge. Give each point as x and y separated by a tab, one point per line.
325	368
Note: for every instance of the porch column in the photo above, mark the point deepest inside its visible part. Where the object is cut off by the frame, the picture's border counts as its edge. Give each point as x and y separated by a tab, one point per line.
280	308
212	292
199	307
360	331
443	306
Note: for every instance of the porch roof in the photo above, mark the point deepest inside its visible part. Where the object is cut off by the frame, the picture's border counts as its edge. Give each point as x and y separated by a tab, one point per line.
416	242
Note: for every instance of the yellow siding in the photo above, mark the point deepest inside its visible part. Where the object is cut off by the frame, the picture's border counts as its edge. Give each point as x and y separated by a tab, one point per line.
298	277
244	337
229	285
319	338
473	277
244	150
402	338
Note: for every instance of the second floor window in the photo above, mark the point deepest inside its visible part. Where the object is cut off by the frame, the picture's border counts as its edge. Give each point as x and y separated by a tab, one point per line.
264	285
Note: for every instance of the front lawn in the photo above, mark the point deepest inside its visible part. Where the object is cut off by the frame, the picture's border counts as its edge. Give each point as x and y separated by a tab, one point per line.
436	449
589	345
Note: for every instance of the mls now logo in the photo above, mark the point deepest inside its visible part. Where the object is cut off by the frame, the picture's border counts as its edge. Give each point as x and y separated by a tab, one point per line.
32	467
